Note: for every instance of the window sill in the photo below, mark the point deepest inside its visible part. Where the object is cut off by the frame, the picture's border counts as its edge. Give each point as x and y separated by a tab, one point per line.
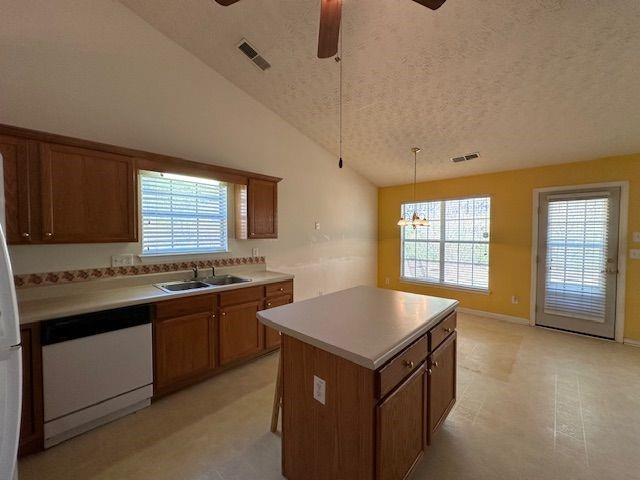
446	286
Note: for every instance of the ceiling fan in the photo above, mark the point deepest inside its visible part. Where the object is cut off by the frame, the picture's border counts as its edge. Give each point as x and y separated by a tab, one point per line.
330	15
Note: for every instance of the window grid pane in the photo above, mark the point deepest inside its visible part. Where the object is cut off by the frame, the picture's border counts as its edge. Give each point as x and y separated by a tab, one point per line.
457	228
182	214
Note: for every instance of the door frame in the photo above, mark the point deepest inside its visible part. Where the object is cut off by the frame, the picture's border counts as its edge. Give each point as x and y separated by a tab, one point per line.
622	248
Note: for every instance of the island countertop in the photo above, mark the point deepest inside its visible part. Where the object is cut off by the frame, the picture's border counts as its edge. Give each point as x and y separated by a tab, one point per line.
365	325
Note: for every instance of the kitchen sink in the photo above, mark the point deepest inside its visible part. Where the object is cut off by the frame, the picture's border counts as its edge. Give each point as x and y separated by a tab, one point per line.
217	281
224	280
180	286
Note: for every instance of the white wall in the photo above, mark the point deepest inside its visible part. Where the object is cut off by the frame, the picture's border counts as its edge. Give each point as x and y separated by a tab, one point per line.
92	69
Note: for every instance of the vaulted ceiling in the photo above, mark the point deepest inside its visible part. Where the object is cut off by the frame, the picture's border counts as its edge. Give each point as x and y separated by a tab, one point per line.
524	82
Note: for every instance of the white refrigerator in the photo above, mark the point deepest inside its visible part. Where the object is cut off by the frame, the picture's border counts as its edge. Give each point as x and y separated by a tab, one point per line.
10	359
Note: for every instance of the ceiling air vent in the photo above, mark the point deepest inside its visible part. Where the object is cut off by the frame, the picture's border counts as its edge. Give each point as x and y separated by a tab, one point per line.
465	158
253	55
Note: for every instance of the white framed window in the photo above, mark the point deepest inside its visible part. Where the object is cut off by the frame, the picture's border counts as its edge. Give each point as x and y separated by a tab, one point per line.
454	249
182	214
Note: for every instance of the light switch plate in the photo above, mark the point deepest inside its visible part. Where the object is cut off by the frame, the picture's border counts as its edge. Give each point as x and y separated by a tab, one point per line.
122	260
319	389
255	252
634	254
636	237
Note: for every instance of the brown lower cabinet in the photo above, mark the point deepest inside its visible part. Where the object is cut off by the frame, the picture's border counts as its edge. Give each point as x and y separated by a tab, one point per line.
198	336
32	424
374	425
240	332
271	335
184	345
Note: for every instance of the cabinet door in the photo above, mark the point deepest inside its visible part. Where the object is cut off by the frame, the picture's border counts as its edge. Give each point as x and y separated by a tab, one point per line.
87	196
17	170
272	336
32	422
401	426
184	349
442	383
240	332
262	210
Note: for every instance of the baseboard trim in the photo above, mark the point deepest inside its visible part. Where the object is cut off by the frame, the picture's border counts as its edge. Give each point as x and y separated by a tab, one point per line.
495	316
633	343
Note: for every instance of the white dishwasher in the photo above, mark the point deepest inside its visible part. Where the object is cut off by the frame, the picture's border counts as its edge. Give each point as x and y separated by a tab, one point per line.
96	367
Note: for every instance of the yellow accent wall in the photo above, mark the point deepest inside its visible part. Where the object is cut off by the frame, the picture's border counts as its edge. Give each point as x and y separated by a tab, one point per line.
511	230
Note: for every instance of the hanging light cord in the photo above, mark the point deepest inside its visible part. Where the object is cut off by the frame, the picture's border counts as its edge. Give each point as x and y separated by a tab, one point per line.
415	174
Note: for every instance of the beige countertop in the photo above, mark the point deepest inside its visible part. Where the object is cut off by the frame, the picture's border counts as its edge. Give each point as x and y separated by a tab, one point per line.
36	310
364	325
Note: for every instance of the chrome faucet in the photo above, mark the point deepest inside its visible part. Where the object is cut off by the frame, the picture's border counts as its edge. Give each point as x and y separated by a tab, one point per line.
195	272
213	271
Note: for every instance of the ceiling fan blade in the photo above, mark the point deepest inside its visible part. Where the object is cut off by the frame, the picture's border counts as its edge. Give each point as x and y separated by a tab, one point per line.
432	4
226	3
330	16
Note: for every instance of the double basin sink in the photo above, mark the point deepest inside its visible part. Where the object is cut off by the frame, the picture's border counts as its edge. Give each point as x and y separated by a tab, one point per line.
216	281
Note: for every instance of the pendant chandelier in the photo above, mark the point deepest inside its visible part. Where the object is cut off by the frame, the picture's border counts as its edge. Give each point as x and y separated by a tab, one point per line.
415	220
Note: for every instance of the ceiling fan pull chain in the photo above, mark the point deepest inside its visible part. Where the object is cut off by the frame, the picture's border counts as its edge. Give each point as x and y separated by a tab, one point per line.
339	60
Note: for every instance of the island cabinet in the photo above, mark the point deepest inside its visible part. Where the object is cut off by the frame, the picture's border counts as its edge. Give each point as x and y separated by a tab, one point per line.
184	342
345	420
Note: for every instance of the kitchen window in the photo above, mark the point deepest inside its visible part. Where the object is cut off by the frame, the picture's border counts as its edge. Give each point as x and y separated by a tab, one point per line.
454	249
182	214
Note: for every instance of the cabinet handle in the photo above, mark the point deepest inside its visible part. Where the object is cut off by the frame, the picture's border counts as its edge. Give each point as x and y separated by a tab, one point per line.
224	314
448	330
435	364
408	364
429	371
48	234
213	315
269	304
26	235
281	289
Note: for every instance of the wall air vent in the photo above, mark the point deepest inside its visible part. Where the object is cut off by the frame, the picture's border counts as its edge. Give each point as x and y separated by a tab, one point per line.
465	158
253	55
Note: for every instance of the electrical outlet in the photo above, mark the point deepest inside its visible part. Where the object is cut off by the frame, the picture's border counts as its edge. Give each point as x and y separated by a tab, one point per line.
515	299
387	281
634	254
255	252
636	237
319	389
317	225
122	260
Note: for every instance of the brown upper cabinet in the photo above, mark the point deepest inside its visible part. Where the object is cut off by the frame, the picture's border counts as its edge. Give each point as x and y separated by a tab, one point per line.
87	196
67	190
262	208
18	179
257	209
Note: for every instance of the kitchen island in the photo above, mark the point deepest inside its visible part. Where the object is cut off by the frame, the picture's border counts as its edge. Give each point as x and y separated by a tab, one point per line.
368	377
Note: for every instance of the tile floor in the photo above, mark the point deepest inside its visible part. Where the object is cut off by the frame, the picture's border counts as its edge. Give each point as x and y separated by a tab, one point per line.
532	404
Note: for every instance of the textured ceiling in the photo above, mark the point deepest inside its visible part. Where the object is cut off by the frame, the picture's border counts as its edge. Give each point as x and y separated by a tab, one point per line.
525	82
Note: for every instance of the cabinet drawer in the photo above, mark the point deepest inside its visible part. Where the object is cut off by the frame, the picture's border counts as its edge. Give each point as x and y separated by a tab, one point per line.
281	288
402	365
242	295
440	332
185	306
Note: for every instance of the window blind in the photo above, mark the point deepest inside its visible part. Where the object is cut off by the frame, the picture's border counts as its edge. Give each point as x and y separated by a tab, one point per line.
454	248
577	252
182	214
